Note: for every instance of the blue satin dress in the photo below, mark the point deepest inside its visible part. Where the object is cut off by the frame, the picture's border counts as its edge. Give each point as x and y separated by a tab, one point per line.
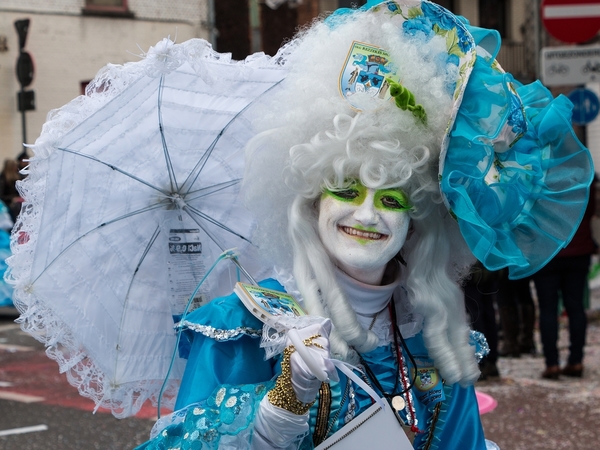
227	376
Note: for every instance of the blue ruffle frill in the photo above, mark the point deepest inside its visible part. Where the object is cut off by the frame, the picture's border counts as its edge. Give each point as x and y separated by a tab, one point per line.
515	175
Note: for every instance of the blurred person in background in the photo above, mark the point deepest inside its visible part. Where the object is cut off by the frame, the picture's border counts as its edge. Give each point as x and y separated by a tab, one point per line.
565	278
8	178
517	317
481	290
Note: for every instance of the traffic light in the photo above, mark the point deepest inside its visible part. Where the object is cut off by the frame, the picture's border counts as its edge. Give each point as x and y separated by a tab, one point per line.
24	69
22	27
26	101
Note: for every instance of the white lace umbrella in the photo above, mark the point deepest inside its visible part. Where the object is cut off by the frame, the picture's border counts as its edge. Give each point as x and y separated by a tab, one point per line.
131	196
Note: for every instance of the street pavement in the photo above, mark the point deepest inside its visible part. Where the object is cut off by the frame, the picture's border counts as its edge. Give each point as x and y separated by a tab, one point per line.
40	410
538	414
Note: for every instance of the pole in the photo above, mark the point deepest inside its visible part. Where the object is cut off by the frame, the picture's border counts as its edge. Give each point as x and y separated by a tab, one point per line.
23	121
255	26
536	37
24	72
212	31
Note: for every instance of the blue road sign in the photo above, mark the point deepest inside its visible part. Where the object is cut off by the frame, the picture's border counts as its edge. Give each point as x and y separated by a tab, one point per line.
586	105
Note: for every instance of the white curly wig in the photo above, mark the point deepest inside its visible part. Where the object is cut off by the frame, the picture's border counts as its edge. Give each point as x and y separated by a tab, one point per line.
311	139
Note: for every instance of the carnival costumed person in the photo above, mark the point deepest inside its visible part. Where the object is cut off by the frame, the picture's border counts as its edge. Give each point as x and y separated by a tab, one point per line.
369	187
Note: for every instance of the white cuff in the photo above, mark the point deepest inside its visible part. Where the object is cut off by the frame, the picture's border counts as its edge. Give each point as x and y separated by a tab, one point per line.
276	428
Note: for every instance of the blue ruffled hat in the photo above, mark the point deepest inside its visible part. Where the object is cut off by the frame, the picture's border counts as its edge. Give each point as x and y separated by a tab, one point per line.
512	172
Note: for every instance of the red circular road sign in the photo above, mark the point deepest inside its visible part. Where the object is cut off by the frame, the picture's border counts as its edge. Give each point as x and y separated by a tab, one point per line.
571	21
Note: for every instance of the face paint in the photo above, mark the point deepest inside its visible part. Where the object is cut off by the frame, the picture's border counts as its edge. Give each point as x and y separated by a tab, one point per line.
362	229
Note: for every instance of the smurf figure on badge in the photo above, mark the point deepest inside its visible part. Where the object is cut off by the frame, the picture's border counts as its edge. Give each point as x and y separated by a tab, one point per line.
395	149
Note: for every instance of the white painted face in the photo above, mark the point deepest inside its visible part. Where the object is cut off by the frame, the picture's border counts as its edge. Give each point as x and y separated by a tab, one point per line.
362	229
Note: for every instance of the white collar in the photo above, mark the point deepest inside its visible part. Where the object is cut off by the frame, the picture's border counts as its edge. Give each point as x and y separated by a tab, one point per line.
367	299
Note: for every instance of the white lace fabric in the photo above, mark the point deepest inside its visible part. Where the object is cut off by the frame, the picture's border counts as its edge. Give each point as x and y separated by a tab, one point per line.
115	349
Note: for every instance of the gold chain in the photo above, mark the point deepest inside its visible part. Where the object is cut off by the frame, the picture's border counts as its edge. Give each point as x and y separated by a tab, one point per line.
283	395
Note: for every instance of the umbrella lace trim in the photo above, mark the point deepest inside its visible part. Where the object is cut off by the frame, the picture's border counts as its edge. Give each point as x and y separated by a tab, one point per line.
91	382
38	317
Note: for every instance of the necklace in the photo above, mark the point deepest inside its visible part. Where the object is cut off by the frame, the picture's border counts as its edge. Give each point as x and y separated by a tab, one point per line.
375	319
395	398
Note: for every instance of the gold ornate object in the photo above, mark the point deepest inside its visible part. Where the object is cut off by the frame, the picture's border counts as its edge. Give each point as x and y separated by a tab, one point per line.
321	425
311	341
283	395
434	419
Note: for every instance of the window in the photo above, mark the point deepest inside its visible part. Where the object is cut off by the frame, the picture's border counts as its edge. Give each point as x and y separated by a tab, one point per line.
119	4
492	14
351	3
107	8
448	4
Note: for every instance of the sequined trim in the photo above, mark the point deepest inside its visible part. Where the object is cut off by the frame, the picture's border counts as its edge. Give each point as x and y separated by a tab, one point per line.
478	340
351	408
219	334
351	404
409	399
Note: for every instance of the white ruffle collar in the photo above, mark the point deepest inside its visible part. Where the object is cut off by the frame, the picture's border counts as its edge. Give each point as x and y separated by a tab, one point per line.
369	301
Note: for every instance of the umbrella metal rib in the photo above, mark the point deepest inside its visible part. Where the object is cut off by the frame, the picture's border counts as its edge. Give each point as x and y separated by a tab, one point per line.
169	163
103	224
208	190
135	272
113	167
195	173
187	209
214	222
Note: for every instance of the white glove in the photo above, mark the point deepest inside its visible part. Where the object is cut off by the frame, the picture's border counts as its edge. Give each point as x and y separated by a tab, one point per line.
316	340
276	428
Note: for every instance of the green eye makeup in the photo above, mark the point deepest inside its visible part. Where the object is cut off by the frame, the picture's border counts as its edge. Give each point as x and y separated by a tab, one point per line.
391	199
385	199
355	194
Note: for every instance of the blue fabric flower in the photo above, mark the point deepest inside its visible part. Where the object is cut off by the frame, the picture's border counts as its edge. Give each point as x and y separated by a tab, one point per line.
392	6
438	15
516	118
418	25
464	40
478	340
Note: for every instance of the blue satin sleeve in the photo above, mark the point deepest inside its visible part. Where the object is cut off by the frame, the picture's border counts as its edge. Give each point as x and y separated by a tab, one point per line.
225	379
225	348
212	364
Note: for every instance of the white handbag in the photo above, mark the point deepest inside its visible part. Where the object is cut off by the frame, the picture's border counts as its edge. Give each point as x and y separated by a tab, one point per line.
377	427
374	428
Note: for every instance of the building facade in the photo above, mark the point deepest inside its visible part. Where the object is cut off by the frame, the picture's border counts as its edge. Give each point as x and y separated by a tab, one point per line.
70	40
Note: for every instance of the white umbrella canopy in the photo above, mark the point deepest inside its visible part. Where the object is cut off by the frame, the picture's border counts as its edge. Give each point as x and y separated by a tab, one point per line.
132	195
